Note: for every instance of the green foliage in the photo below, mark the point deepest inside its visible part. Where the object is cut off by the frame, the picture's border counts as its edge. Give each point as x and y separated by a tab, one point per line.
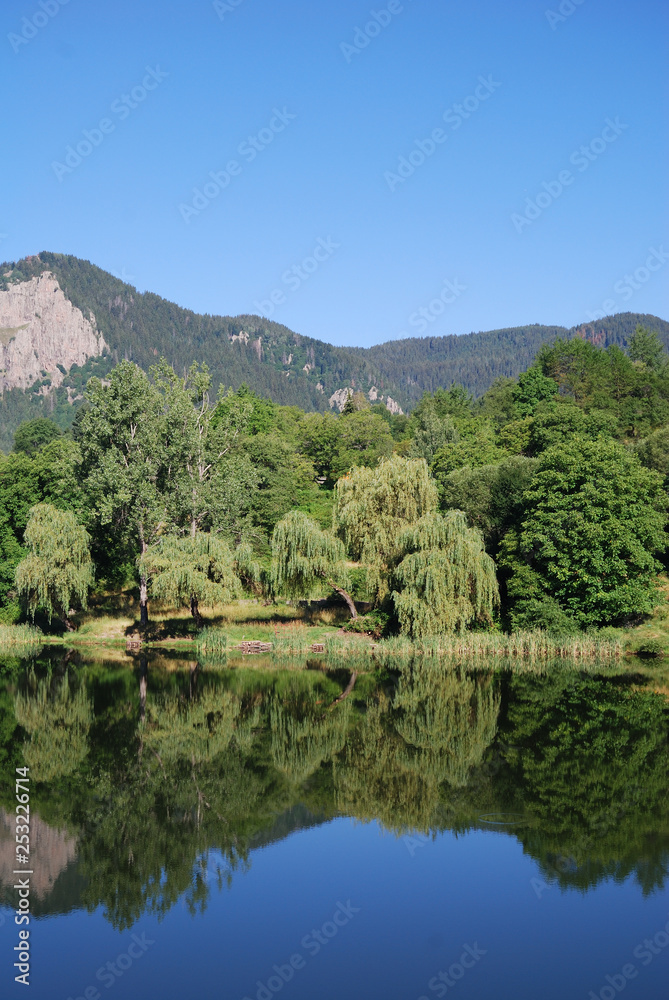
653	451
645	346
304	557
533	387
35	434
49	477
492	496
374	623
191	570
477	445
594	521
431	434
373	506
444	579
58	722
558	421
608	380
58	569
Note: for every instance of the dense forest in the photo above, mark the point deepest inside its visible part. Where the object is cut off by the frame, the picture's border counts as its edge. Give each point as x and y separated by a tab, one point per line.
540	505
284	366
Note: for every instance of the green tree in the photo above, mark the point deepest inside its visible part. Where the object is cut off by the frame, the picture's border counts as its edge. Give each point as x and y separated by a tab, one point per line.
653	451
34	434
58	721
533	388
319	441
364	439
304	557
373	506
445	581
191	570
594	521
477	445
123	471
193	445
492	496
645	346
58	568
431	434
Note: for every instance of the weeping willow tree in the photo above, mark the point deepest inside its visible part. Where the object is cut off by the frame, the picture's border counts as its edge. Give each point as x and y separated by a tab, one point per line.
444	579
190	570
372	507
372	780
58	723
304	557
304	736
191	731
447	718
58	569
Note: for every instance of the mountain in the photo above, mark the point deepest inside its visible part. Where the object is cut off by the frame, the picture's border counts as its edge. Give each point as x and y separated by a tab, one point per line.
62	320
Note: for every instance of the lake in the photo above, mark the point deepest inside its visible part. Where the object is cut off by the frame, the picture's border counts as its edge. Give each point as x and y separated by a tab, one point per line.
227	829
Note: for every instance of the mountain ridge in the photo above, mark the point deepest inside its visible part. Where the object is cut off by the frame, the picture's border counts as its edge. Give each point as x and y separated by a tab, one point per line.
288	367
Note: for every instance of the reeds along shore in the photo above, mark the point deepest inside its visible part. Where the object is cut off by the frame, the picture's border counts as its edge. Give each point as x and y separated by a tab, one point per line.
20	635
298	639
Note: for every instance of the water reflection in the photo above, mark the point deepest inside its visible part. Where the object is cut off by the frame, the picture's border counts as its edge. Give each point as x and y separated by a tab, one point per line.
147	766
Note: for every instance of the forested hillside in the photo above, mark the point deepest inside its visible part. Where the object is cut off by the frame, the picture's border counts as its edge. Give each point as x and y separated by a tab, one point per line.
276	362
541	505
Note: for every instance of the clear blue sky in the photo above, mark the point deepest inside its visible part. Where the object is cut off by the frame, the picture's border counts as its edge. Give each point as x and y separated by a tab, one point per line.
327	174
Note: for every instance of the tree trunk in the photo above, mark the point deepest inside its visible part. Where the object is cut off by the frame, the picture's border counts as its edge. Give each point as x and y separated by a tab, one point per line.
347	598
143	595
143	679
195	611
194	673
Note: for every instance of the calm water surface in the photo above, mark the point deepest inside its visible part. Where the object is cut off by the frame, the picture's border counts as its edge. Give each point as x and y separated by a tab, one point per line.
229	831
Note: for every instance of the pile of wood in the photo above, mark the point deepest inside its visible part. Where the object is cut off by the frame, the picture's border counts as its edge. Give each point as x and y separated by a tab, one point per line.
255	646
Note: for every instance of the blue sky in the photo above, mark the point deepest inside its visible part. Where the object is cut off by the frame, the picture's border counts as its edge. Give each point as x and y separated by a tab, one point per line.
333	113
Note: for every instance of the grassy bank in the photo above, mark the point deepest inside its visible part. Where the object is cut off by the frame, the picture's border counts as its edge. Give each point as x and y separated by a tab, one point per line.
292	630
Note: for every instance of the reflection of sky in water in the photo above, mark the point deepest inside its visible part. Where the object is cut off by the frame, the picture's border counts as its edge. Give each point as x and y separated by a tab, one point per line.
489	847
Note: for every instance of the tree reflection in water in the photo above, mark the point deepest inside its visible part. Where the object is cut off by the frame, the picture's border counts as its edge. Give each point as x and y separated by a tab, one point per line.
158	770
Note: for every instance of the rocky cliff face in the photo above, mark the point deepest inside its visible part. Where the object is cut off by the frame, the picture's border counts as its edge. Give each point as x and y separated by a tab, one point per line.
41	329
51	851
